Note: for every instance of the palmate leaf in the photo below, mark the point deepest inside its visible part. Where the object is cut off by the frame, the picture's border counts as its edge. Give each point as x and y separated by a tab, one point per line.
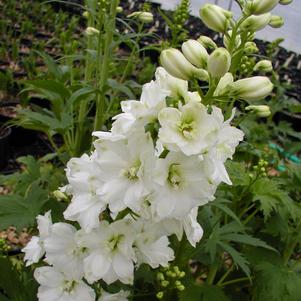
14	285
203	293
19	211
273	199
276	283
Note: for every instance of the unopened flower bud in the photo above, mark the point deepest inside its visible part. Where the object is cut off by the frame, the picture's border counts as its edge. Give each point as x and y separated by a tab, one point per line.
276	21
215	17
195	53
258	7
253	88
143	16
182	274
59	195
260	111
160	295
251	47
207	42
219	62
285	2
164	283
178	66
85	14
264	66
119	9
256	23
227	38
90	31
225	85
181	288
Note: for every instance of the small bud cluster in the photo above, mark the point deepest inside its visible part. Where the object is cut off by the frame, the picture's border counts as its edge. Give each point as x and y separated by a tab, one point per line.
261	168
170	278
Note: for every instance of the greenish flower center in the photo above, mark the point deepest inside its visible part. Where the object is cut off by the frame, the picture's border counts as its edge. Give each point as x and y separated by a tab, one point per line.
69	286
174	178
132	172
187	128
114	241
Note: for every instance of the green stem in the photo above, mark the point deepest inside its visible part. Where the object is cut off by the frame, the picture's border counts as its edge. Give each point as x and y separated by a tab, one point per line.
291	246
225	275
235	281
251	216
212	273
110	29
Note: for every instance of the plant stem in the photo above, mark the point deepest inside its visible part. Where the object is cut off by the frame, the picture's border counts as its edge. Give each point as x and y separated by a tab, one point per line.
109	28
235	281
212	273
291	246
225	275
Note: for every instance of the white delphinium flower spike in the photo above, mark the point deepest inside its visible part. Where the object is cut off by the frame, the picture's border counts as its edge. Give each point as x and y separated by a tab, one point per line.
34	250
86	205
64	250
111	255
57	286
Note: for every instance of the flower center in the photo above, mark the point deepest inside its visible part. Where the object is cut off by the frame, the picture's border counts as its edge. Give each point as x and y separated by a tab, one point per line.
69	286
174	178
114	241
187	128
132	172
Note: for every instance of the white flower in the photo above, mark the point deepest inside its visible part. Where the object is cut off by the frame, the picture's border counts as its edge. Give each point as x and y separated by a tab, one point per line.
140	113
84	179
56	286
177	87
64	250
151	247
34	250
120	296
189	129
181	186
124	167
111	254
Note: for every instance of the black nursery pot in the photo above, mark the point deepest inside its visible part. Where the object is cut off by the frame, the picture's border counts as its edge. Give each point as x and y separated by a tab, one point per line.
19	136
5	134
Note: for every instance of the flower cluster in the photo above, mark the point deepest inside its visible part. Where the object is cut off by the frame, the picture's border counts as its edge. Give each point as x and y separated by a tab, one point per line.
163	158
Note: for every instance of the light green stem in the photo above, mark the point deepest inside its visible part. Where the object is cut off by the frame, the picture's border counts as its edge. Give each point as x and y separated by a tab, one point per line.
109	28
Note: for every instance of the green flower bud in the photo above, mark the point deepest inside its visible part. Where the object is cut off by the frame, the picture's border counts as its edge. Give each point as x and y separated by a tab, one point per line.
253	88
260	111
59	195
143	16
251	47
178	66
178	283
276	21
90	31
160	276
285	2
182	274
160	295
264	66
195	53
258	7
225	85
85	14
164	283
119	9
219	62
256	23
181	288
215	17
207	42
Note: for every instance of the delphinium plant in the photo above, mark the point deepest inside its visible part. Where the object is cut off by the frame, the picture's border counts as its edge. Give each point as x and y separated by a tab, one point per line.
152	214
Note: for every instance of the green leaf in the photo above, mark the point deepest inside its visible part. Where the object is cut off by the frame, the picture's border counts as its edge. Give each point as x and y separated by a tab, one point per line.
237	173
80	95
237	257
247	240
276	283
17	286
19	211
